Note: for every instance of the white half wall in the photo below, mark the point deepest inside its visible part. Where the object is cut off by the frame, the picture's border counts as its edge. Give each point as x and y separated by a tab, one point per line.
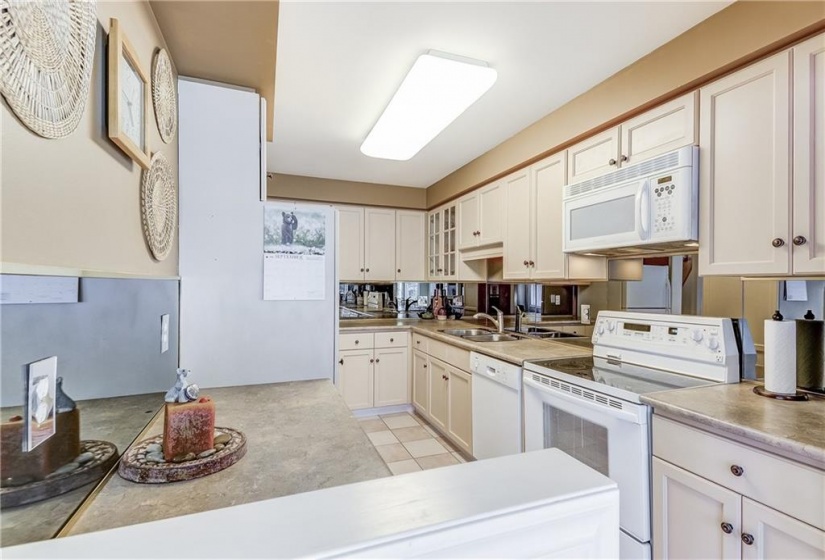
229	334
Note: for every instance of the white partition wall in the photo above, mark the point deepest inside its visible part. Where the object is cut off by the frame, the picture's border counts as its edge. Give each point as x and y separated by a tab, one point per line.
229	334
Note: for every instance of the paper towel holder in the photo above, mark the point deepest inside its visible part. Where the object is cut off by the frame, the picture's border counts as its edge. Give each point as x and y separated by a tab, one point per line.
762	392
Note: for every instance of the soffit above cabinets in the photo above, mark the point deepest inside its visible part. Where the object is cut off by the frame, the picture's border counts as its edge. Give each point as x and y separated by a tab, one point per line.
233	42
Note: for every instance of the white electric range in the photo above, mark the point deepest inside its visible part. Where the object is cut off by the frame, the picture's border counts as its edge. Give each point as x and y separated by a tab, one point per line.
590	407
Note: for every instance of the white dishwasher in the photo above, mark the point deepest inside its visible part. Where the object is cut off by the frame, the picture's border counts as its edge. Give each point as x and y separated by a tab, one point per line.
497	419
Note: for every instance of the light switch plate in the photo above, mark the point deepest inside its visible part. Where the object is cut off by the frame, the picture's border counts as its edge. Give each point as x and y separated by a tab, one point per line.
164	333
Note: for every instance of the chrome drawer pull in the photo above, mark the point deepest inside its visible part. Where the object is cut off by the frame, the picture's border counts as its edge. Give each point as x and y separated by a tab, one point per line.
737	470
727	528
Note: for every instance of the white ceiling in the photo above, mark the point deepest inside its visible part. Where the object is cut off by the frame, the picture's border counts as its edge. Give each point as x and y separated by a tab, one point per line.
339	63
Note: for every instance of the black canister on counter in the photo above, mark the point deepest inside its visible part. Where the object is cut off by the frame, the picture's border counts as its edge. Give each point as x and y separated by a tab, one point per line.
810	353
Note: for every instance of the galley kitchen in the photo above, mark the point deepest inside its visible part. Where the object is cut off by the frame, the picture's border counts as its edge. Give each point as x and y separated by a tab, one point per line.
401	279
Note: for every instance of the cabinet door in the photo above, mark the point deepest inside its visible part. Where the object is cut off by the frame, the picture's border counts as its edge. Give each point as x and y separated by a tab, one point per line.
808	233
548	184
421	383
351	243
355	378
776	535
438	393
434	266
392	376
491	209
518	238
660	130
410	246
460	408
379	254
745	171
468	223
597	155
689	513
449	258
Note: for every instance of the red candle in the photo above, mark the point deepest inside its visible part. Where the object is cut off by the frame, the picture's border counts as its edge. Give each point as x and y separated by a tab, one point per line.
188	428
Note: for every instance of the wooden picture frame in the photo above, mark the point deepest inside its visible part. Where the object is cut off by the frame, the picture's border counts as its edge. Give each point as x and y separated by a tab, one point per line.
128	96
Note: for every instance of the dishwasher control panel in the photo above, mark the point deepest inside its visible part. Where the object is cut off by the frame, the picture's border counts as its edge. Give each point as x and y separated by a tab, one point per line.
497	370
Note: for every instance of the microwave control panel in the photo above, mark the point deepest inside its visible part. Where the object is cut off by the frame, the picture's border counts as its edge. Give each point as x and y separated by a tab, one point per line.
670	198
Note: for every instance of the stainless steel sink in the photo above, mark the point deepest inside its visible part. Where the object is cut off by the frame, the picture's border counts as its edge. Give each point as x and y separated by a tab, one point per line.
466	332
491	337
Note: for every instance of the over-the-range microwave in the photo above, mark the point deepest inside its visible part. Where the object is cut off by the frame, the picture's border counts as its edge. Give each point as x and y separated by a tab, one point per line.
647	208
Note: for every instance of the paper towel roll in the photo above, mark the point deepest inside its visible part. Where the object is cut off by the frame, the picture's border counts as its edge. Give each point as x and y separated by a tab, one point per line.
780	357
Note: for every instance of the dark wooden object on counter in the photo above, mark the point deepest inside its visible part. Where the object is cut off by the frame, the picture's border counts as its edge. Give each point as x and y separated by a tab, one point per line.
60	449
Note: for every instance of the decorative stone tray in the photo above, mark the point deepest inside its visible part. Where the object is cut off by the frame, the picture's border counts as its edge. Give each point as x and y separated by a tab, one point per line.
139	465
68	477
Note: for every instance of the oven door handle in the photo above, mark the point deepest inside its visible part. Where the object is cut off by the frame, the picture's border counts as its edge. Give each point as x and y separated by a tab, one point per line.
590	406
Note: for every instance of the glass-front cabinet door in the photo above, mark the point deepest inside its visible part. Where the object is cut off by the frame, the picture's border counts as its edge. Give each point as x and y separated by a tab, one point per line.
434	244
449	214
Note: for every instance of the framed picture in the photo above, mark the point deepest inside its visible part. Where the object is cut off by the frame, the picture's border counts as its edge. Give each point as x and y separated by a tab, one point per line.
129	97
41	405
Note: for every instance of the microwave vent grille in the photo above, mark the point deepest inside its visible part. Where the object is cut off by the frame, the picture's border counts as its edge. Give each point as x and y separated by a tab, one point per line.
661	163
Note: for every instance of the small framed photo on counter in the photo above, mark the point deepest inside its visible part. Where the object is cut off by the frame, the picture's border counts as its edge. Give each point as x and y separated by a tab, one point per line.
40	403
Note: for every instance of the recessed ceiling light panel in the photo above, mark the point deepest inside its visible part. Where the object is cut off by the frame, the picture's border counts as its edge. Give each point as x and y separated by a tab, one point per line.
438	88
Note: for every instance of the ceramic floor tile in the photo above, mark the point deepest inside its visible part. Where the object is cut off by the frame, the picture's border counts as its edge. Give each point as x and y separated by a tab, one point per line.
412	433
458	457
431	431
393	452
449	446
403	467
424	447
435	461
373	424
382	438
403	420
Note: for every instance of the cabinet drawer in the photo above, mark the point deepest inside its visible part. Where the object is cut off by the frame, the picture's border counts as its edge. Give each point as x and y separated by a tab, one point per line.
458	357
440	350
789	487
356	341
420	343
392	339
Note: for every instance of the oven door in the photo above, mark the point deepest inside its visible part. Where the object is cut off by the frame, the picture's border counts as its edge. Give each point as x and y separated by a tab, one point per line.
609	435
608	218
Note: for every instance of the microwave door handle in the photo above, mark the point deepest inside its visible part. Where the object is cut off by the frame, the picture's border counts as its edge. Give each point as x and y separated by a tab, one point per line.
643	217
585	406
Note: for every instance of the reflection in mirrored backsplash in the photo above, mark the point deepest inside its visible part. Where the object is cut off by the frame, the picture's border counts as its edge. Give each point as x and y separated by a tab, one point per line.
108	349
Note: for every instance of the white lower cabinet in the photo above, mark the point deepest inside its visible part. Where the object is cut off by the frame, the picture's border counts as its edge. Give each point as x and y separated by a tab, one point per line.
715	498
374	369
442	389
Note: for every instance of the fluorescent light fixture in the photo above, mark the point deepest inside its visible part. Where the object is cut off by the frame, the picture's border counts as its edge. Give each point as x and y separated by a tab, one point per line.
438	88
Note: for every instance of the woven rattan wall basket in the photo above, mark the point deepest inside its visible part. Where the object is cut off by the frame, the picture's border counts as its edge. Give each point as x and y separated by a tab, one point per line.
164	96
159	206
46	55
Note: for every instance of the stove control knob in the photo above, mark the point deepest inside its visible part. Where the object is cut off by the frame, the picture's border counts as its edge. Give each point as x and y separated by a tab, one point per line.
600	328
611	326
697	335
713	343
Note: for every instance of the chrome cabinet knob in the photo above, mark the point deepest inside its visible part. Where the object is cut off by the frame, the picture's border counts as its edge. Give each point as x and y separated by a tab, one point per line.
425	366
612	162
747	538
526	263
372	361
377	360
799	240
399	270
532	263
737	470
778	242
362	270
356	342
623	158
341	361
727	528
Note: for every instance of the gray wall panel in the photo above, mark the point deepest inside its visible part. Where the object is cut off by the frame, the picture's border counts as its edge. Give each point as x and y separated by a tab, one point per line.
106	345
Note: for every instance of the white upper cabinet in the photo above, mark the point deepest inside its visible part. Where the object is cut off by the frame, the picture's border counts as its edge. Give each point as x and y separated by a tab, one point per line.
350	243
808	232
744	164
480	216
410	245
442	233
379	247
665	128
533	227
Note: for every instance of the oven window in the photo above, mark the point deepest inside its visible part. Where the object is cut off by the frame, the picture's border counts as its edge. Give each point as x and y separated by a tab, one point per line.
617	215
579	438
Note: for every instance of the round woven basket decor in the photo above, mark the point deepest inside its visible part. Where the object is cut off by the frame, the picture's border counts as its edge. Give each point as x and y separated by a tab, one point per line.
159	206
164	96
47	51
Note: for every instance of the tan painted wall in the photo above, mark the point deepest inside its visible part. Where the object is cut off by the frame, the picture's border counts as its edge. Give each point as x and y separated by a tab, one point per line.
75	202
347	192
722	41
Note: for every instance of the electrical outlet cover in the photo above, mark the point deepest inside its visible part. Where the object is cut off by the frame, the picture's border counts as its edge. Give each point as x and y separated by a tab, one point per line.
164	333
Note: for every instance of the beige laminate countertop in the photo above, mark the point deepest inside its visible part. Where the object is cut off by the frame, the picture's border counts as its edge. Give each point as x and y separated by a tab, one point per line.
515	352
795	430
